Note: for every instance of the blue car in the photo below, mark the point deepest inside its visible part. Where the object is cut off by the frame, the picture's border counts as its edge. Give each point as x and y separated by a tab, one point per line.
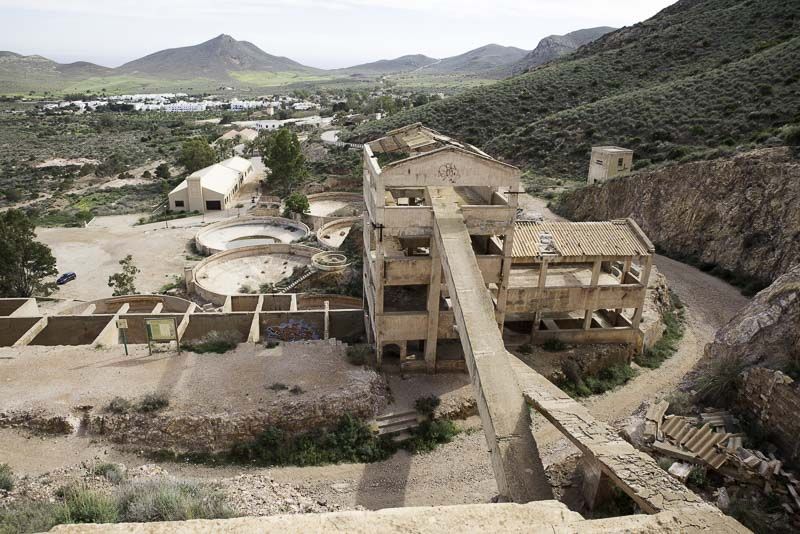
66	277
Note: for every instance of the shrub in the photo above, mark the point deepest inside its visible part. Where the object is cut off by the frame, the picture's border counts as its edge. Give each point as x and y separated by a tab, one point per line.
296	390
716	381
427	405
358	354
697	477
525	348
429	434
664	348
6	477
215	341
164	500
28	516
118	405
609	378
152	402
87	506
278	386
665	463
271	344
112	472
554	345
792	135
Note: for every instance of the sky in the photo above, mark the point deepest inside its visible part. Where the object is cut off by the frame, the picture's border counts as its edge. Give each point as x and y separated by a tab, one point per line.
319	33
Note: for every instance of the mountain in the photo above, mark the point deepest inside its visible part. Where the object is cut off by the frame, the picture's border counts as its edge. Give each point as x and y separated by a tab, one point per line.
480	60
554	46
697	79
215	59
390	66
20	73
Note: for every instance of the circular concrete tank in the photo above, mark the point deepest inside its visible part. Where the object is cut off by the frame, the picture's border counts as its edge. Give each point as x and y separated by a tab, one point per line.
248	231
225	273
331	235
325	207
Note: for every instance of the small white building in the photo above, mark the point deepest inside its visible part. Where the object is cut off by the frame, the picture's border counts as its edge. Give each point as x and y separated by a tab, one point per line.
213	188
608	162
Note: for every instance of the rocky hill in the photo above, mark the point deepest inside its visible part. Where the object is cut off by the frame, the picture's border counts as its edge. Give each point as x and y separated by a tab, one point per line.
214	59
19	73
485	59
554	46
737	217
698	76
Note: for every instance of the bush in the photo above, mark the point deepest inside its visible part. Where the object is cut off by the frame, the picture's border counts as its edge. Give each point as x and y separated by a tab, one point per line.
350	441
429	434
87	506
6	477
215	341
697	477
295	203
716	381
164	500
576	384
664	348
525	348
427	405
112	472
358	354
554	345
152	402
27	516
119	405
296	390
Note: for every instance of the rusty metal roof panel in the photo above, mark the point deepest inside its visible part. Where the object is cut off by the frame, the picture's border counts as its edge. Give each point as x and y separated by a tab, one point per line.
576	239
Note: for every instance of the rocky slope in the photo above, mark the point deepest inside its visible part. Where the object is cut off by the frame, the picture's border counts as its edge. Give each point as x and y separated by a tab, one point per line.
554	46
736	216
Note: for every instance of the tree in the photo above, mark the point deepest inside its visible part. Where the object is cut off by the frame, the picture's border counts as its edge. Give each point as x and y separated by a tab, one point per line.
162	171
124	282
284	158
196	154
24	262
224	148
296	203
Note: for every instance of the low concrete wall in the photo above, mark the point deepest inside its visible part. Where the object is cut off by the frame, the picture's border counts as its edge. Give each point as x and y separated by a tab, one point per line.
317	221
137	331
347	325
243	252
313	322
202	323
333	227
19	308
336	302
137	304
12	328
71	330
244	303
204	247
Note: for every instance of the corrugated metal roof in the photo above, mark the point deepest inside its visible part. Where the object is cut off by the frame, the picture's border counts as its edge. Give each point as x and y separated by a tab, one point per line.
608	238
703	442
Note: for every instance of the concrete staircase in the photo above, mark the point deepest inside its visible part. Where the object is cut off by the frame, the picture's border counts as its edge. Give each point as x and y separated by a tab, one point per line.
297	282
397	425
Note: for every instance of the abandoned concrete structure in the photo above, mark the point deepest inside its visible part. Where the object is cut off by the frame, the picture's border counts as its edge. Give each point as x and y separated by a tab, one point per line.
580	282
212	188
576	282
608	162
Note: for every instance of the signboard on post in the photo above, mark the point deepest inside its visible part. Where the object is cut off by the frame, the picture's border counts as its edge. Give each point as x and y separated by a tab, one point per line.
122	326
162	330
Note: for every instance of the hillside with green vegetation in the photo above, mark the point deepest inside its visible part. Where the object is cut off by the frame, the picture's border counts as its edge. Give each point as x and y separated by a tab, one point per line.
698	79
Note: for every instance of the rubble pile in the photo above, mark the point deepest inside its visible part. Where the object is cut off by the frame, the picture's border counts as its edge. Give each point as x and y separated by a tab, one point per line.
712	440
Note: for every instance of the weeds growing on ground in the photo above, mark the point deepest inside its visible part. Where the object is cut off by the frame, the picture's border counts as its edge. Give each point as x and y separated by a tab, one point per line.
665	347
215	341
6	477
427	405
358	354
112	472
119	405
152	402
576	384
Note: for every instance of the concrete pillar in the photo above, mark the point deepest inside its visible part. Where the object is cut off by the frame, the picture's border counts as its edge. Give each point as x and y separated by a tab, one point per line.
188	279
327	320
434	294
157	308
644	278
89	310
596	486
31	333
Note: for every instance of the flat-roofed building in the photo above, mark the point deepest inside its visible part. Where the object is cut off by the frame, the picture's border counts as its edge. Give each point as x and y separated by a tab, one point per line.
213	188
608	162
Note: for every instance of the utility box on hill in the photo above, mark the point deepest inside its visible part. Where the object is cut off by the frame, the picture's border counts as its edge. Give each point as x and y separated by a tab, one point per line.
608	162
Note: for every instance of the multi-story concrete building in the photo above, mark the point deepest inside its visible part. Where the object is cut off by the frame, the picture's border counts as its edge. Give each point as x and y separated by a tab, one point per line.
575	282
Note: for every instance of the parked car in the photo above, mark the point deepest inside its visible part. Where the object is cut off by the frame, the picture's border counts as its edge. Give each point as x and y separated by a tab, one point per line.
66	277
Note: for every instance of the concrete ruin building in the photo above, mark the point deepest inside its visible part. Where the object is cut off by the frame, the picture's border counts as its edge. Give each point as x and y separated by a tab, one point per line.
212	188
575	282
609	161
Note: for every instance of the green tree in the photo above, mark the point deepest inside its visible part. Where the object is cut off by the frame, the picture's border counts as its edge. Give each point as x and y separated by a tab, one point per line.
162	171
224	148
196	154
124	282
24	262
295	203
285	159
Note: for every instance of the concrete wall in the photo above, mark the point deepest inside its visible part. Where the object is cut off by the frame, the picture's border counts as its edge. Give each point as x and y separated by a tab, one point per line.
204	248
244	303
137	331
605	164
71	330
317	221
347	325
137	303
12	328
317	302
201	324
315	320
19	308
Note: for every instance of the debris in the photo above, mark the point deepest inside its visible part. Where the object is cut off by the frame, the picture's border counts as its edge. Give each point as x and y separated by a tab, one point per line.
723	500
680	470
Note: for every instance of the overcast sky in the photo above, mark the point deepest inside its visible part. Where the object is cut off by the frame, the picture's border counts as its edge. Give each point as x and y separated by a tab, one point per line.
320	33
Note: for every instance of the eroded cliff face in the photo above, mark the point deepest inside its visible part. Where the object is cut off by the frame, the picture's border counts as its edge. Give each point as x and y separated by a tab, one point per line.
739	214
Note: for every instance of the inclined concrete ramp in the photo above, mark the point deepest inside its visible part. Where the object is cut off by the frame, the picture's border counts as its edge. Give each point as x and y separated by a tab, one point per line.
504	413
